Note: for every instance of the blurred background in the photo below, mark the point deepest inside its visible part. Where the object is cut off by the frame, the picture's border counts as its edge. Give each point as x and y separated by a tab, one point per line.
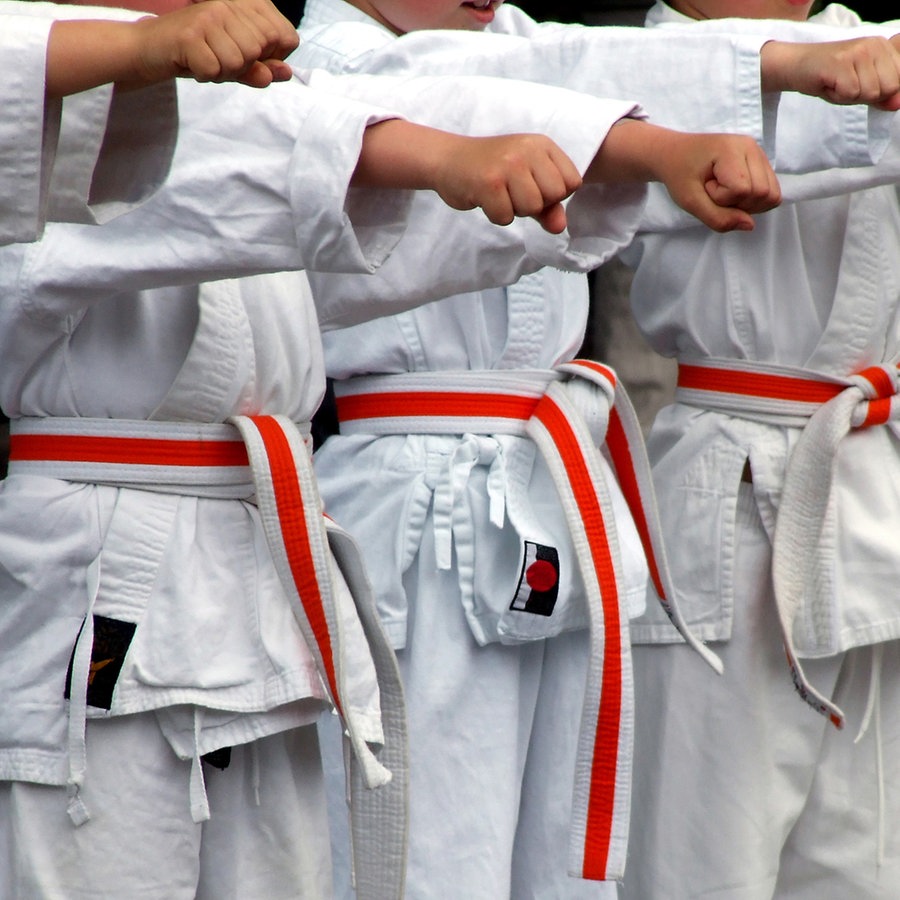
620	12
627	11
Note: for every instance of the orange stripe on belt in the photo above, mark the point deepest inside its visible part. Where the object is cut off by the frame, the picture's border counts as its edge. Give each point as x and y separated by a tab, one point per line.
601	801
756	384
126	450
290	506
400	404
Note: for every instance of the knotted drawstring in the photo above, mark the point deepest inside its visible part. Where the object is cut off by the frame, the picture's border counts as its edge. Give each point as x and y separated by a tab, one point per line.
873	711
450	506
199	799
255	771
81	671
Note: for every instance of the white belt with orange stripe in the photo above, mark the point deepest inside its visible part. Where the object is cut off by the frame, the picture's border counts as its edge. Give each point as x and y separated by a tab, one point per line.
266	456
538	405
827	408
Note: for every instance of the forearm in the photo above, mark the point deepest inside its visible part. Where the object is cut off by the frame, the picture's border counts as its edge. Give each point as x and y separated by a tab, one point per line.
632	152
86	53
775	61
238	40
399	154
848	71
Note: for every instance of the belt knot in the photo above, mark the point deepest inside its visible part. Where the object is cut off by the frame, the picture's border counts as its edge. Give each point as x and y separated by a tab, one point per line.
879	386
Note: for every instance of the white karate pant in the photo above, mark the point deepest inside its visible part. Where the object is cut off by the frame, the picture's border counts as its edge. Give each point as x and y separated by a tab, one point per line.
141	844
741	791
493	732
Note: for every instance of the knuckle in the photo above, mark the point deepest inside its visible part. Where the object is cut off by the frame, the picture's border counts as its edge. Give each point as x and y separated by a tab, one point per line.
494	182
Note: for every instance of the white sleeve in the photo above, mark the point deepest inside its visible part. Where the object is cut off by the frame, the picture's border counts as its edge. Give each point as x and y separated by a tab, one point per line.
474	253
832	182
813	160
605	62
115	148
259	183
811	133
806	142
25	156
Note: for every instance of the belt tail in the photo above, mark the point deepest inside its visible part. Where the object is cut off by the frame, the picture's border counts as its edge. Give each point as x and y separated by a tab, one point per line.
379	818
292	515
804	502
628	454
825	407
601	799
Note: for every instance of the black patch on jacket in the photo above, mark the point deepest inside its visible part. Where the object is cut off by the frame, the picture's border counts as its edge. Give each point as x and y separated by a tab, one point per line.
538	585
112	638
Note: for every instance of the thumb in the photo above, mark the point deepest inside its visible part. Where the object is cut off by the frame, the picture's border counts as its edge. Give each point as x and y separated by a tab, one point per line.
258	75
281	71
719	216
553	218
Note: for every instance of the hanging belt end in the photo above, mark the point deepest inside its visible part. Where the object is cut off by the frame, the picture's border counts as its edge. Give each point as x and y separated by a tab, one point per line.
710	658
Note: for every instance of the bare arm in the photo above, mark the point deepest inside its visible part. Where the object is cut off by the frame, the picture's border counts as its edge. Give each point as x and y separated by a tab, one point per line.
218	40
722	179
507	176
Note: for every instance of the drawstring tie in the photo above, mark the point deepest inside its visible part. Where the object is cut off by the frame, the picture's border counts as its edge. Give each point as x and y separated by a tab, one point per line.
873	713
199	799
450	505
254	772
81	673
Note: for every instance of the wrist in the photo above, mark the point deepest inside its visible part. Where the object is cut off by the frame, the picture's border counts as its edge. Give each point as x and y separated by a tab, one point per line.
633	151
83	54
775	61
138	62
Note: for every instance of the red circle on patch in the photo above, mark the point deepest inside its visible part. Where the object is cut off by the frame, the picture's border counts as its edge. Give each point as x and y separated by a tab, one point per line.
541	575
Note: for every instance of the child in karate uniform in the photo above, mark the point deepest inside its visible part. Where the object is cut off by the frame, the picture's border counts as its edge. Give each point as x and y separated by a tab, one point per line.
483	562
777	520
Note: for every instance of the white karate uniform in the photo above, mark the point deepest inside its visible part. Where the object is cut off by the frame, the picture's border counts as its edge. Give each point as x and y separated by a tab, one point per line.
760	797
455	688
41	180
107	323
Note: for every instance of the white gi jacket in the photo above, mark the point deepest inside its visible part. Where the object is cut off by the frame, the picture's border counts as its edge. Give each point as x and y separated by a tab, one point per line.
826	301
41	180
537	323
106	322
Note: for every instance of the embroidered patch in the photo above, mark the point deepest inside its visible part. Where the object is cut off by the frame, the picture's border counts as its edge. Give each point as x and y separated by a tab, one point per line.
538	585
112	639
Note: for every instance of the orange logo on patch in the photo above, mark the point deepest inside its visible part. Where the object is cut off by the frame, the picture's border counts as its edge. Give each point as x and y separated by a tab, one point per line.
96	667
